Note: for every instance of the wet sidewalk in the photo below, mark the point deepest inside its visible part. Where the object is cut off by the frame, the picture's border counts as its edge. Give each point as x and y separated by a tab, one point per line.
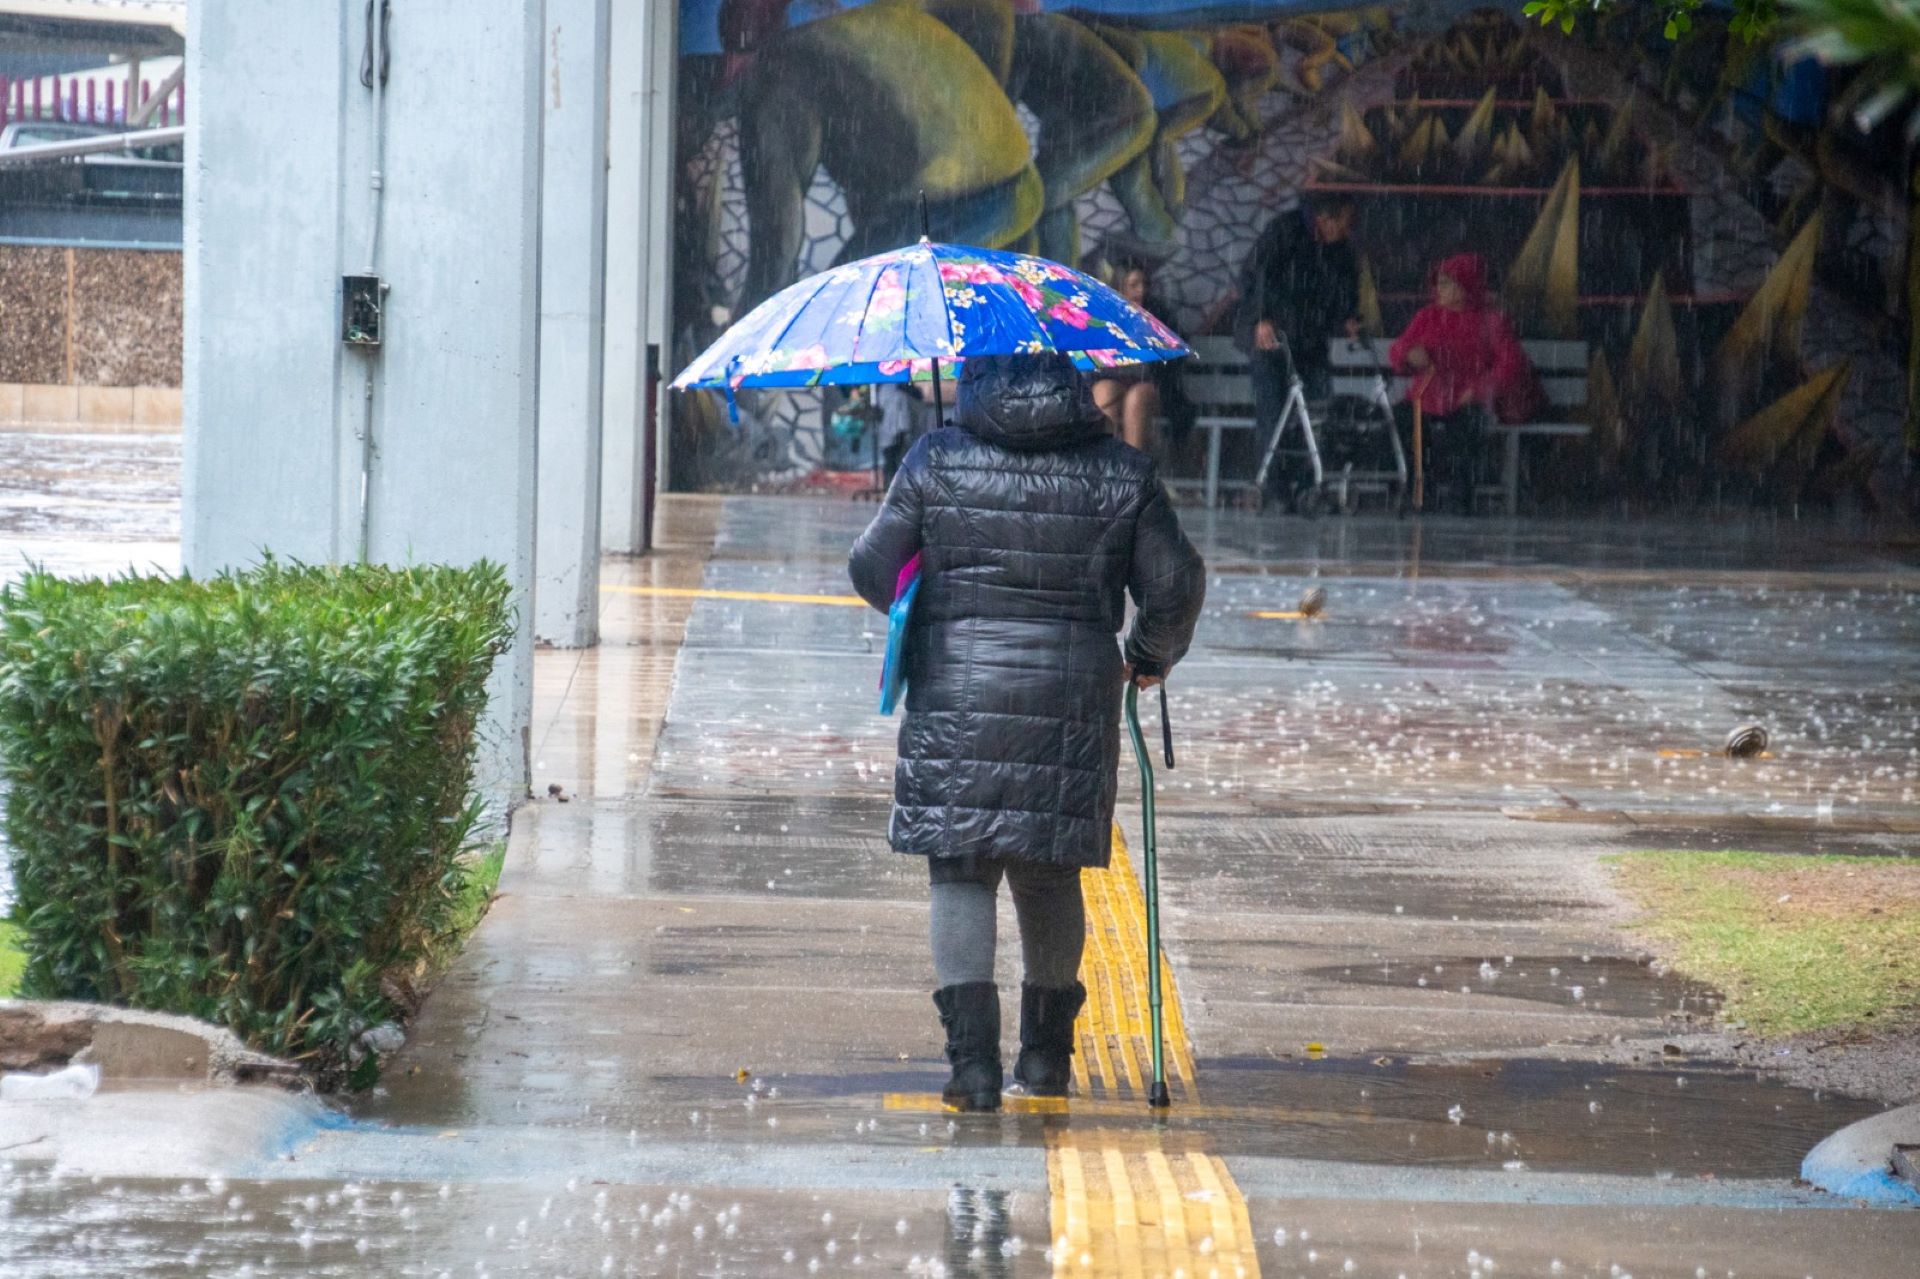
1384	839
694	1035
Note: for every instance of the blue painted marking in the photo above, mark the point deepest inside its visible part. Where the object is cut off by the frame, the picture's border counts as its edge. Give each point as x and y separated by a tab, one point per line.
1844	1175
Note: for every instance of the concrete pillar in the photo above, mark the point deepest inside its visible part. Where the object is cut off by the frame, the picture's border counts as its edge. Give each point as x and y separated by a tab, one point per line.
643	54
573	235
264	429
624	392
280	152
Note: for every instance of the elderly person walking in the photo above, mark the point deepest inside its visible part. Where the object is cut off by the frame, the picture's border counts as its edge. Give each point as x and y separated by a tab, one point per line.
1033	525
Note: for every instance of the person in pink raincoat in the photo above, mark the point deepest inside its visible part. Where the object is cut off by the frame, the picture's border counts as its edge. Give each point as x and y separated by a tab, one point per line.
1466	369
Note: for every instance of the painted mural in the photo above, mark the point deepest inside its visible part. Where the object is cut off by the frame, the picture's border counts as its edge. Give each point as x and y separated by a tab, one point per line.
1727	246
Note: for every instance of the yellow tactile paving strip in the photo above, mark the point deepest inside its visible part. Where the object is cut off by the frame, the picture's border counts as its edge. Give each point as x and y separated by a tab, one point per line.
1143	1202
1115	1028
1132	1201
1135	1204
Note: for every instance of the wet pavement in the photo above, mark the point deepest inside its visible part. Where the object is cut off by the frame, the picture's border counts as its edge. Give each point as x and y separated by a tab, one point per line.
1453	666
1597	983
65	488
574	1227
1387	912
570	1228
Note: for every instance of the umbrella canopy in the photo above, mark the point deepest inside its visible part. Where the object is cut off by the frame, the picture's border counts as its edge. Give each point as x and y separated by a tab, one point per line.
889	317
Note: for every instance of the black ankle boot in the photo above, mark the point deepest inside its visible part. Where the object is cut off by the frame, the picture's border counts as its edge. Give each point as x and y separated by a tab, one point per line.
1045	1067
970	1012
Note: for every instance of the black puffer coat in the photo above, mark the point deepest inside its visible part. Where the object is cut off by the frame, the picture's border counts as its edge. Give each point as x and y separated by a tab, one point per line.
1033	523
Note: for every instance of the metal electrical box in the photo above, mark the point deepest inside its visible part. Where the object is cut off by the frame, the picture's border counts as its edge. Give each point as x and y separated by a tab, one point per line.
362	299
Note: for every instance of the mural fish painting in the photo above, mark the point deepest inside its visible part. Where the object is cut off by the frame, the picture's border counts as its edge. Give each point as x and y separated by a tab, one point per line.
1603	179
892	98
891	102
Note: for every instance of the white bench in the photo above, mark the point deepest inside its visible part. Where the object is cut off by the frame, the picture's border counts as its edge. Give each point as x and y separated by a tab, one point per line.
1218	383
1561	366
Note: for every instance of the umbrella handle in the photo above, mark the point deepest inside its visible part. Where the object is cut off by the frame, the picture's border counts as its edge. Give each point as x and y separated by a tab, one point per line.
1157	1095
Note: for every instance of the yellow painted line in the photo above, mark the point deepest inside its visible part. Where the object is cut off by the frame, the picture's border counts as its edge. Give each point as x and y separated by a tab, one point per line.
1127	1109
755	597
930	1103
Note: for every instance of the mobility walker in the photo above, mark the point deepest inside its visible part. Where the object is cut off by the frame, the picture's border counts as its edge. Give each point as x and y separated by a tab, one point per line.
1361	455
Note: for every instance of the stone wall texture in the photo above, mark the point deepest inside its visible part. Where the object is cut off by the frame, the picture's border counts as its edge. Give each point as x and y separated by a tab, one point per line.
33	314
89	317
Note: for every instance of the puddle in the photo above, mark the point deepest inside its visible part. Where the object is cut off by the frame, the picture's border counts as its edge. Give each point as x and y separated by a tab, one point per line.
1693	1120
1609	984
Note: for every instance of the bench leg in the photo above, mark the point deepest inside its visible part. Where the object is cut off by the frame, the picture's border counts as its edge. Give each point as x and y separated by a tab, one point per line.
1213	467
1510	474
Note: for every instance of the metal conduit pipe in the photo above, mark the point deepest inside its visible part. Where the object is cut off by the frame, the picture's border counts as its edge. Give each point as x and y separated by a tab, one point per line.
374	75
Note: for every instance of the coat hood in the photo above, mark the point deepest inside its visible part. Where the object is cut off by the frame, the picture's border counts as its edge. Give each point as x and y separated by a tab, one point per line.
1469	271
1027	403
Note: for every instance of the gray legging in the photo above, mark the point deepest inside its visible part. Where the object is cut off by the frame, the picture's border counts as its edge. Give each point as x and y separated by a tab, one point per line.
1053	919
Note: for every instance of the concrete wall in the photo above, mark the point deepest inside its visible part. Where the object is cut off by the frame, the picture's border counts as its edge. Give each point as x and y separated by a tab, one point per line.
74	316
279	154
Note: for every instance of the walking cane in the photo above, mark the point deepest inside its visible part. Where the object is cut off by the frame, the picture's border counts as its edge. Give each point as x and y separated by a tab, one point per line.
1419	447
1419	461
1157	1095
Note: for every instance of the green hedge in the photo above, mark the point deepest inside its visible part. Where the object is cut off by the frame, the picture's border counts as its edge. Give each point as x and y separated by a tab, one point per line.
244	798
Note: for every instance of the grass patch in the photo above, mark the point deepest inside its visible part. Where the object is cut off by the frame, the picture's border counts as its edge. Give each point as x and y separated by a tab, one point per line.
13	958
1797	943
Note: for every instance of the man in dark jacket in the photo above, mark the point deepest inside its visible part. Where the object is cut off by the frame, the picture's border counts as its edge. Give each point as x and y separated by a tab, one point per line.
1300	286
1033	524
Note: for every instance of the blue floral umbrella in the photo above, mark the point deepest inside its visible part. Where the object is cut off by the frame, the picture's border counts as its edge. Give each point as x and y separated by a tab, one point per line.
912	314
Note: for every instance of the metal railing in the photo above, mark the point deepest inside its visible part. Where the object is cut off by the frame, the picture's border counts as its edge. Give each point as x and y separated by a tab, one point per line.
87	99
106	142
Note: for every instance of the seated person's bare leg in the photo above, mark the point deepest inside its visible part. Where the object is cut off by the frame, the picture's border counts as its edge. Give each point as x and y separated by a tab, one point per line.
1140	408
1109	395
